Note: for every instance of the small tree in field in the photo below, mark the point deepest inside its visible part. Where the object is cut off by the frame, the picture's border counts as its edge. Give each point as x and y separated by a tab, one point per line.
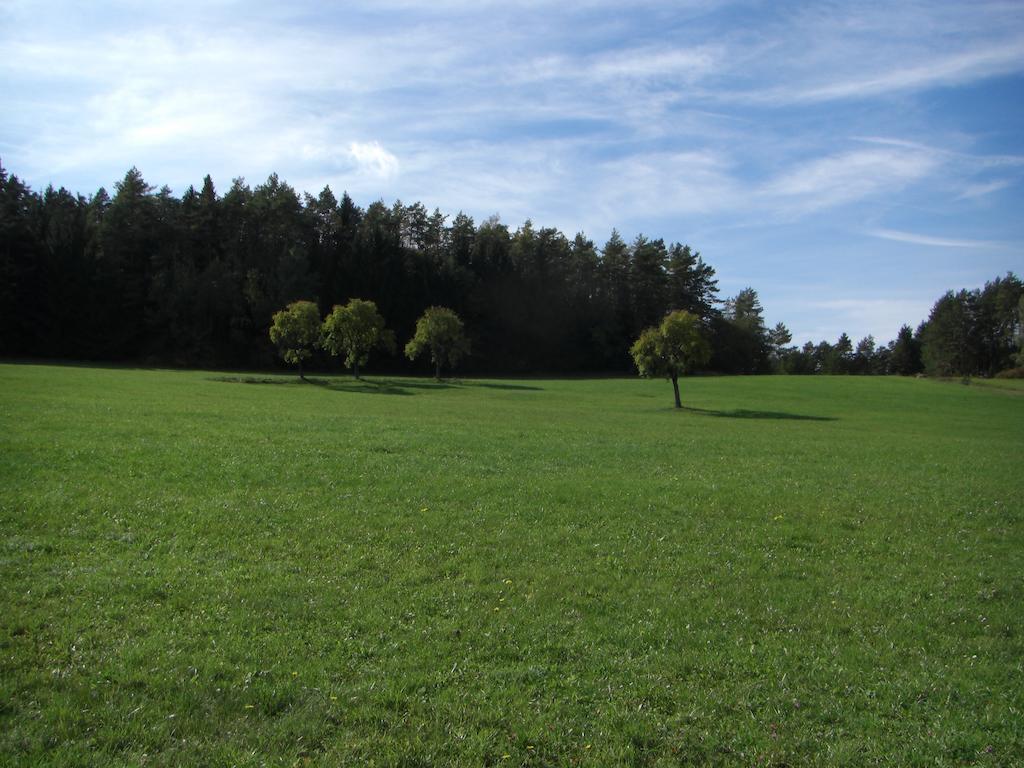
441	331
354	331
294	331
672	349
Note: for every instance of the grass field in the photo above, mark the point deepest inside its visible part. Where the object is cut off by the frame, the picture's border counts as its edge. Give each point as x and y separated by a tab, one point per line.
200	568
1012	385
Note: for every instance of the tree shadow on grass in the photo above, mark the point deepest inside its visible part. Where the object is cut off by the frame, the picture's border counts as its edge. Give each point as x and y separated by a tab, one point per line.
359	386
494	385
401	386
743	413
373	386
367	386
257	380
363	386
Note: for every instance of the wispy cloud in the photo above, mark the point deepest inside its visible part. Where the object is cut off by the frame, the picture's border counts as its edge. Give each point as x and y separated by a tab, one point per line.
676	65
931	71
986	188
939	242
849	176
829	51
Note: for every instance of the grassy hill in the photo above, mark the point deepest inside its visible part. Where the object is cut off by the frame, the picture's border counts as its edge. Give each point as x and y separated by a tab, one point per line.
203	568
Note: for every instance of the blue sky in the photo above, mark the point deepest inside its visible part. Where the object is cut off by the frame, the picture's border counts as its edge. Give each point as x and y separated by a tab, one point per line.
851	161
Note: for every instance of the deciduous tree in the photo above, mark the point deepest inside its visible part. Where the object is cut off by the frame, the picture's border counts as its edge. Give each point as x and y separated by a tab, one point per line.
671	349
295	330
354	331
439	331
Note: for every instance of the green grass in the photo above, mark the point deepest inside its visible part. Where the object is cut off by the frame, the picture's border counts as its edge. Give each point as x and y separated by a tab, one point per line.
1008	385
198	568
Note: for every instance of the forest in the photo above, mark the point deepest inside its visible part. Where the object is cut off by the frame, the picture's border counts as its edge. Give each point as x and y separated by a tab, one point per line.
149	277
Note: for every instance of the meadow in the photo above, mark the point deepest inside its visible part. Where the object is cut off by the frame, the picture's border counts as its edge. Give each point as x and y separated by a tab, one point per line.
241	569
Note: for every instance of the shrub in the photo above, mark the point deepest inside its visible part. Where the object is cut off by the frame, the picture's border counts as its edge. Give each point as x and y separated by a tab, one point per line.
1012	373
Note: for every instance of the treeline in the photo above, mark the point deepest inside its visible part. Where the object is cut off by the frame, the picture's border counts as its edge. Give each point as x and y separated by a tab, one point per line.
144	275
967	333
195	280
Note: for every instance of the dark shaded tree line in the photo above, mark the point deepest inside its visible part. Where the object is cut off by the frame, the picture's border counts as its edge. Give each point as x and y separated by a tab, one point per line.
195	280
148	276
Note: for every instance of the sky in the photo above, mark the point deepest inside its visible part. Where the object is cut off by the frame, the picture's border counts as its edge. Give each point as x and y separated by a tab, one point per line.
850	161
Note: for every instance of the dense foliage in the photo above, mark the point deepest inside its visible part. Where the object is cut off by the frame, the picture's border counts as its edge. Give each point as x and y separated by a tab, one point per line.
195	280
974	332
440	332
353	331
671	349
148	276
295	331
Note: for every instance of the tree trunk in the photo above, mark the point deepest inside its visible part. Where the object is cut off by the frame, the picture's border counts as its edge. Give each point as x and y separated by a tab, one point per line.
675	388
355	370
437	371
302	375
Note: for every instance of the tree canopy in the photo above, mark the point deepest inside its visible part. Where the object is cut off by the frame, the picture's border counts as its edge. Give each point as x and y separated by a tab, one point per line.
973	332
355	330
671	349
295	330
439	331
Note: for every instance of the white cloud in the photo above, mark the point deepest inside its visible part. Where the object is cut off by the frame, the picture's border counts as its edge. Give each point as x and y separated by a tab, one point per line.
932	71
939	242
987	188
667	183
848	176
675	64
372	158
